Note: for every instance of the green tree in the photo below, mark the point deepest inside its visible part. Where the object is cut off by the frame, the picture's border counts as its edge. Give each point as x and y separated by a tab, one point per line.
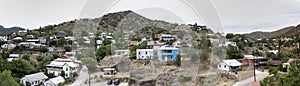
90	63
103	51
107	41
7	80
233	53
26	57
68	48
229	35
62	73
44	49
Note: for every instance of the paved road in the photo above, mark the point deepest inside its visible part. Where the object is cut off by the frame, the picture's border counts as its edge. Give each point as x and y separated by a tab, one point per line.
247	82
83	76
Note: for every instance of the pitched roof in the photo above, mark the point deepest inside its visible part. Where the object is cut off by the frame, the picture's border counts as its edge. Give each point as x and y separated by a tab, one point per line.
56	80
60	64
232	62
35	77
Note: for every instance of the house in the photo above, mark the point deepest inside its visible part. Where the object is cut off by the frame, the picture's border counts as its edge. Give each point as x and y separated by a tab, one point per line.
273	51
228	43
3	38
29	37
166	37
275	63
214	41
210	36
167	53
201	28
109	71
13	57
70	38
147	38
122	52
60	34
63	64
33	40
134	43
187	38
177	44
8	46
17	40
54	81
22	32
144	53
286	65
250	60
230	65
42	40
99	43
34	79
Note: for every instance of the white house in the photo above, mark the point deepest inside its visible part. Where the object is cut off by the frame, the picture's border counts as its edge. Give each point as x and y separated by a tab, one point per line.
68	66
54	81
167	37
214	41
144	53
229	65
99	43
122	52
13	57
34	79
8	46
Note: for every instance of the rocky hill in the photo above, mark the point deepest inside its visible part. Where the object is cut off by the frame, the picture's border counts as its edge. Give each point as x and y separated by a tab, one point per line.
125	21
7	31
285	32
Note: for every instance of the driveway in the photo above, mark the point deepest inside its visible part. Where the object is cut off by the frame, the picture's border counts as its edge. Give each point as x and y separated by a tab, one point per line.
83	76
247	82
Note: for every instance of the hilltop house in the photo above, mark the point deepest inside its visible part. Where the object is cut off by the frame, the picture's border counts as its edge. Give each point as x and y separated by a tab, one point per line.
144	53
33	79
13	57
22	32
167	53
54	81
63	64
166	37
231	65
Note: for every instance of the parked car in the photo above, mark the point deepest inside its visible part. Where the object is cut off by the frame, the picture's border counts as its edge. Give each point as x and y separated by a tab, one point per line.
109	82
116	81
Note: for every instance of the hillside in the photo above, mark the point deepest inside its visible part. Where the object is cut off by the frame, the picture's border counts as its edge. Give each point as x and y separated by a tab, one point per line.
7	31
125	21
285	32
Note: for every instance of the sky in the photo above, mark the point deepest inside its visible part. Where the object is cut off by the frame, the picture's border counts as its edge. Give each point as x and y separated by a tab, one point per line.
228	16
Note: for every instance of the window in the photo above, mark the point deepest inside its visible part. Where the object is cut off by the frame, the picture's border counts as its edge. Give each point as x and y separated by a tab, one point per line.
219	65
224	66
146	53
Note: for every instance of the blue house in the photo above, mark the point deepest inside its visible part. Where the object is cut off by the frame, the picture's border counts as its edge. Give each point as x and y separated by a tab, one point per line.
167	53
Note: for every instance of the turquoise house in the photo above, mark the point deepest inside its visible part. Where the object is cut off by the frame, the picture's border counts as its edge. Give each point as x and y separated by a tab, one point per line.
167	53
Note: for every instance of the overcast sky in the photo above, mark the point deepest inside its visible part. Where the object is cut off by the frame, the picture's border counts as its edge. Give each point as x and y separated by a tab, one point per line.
237	16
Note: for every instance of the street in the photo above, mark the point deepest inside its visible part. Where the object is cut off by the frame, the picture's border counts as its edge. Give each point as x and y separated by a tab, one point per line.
247	82
83	76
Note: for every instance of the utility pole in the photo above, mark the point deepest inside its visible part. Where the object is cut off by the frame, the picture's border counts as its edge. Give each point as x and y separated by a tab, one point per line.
254	68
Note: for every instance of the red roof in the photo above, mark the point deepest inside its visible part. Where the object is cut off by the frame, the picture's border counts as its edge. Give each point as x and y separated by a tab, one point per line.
291	60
